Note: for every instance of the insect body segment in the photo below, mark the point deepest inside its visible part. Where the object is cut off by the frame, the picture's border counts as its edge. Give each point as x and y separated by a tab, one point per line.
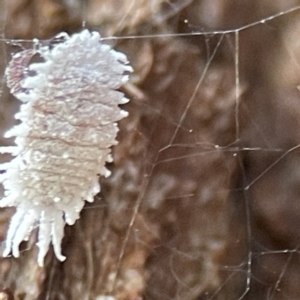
68	124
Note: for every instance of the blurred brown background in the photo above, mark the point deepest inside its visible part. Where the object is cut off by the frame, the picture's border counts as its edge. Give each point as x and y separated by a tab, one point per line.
196	207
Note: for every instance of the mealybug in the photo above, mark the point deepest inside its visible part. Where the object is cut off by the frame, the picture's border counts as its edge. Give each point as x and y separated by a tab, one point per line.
68	124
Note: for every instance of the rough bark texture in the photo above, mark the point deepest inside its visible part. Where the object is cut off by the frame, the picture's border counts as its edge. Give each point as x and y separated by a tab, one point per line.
189	211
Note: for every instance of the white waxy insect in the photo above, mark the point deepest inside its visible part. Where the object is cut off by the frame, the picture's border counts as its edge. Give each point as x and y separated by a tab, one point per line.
68	124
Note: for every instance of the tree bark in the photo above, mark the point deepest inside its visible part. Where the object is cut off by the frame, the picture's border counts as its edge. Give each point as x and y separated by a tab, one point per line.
204	184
